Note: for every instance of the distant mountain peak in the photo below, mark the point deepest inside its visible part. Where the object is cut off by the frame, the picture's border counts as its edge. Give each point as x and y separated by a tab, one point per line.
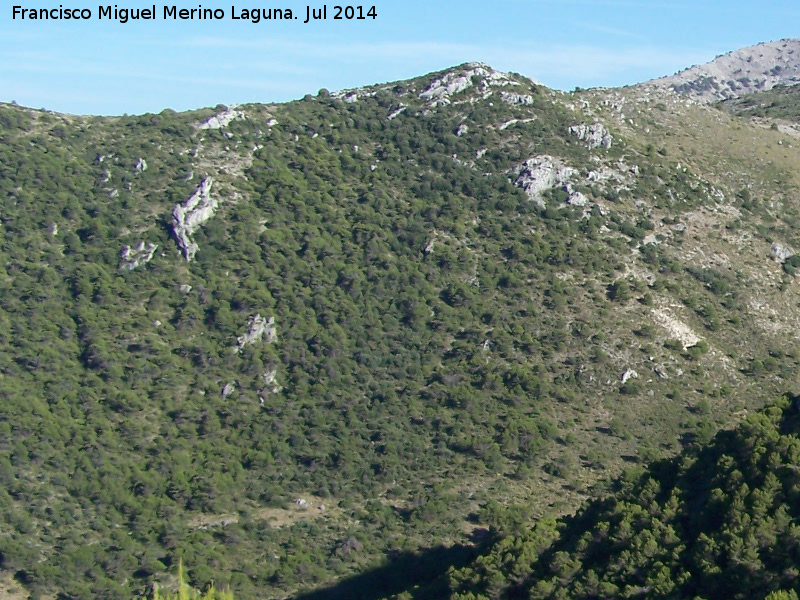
740	72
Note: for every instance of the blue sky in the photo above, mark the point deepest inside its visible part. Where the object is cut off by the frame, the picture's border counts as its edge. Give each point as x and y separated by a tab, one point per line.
94	67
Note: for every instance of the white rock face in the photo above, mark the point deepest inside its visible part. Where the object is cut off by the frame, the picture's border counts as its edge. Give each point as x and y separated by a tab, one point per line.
511	98
190	215
781	252
140	166
136	257
595	135
738	73
223	119
260	329
228	389
541	173
454	82
462	130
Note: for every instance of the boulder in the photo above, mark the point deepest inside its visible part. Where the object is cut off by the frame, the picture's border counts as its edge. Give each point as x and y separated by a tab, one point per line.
629	374
781	252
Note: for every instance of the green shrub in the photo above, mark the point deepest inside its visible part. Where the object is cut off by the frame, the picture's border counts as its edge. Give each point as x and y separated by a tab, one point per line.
185	592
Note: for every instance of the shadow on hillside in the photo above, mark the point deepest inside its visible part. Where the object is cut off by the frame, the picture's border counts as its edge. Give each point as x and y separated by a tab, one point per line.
420	574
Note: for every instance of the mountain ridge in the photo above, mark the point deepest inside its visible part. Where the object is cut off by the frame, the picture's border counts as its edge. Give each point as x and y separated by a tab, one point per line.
737	73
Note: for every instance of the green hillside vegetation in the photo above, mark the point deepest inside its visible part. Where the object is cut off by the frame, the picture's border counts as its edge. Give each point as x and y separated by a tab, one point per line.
782	102
721	521
446	349
184	591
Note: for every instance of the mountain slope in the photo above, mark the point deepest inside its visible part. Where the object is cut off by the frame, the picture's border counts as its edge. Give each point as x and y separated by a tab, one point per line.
738	73
285	342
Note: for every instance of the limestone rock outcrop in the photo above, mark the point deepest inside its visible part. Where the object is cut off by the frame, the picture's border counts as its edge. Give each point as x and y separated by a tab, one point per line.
223	119
541	173
520	99
270	379
190	215
132	258
456	81
595	135
259	329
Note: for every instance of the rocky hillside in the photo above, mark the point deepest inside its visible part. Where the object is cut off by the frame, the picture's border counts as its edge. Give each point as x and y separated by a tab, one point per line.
739	73
289	344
